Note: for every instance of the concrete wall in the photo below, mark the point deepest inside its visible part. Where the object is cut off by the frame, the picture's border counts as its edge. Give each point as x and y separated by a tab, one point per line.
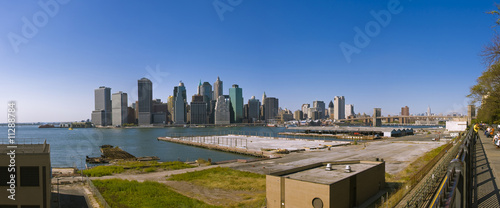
300	194
339	194
29	195
273	191
369	183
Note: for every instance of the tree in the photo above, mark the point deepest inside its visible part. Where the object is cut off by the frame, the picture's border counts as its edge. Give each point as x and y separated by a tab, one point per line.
487	89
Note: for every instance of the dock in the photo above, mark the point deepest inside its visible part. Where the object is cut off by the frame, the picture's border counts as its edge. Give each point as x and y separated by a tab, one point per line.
256	146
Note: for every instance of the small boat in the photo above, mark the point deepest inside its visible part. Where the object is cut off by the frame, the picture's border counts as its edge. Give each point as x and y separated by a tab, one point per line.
70	128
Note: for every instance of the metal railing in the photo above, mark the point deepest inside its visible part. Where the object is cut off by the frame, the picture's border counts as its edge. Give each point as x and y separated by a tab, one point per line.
97	194
422	195
456	187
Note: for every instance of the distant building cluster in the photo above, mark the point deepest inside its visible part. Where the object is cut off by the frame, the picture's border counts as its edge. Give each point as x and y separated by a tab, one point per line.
208	106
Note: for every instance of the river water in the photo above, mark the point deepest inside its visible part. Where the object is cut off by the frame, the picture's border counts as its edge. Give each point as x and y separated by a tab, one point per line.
68	148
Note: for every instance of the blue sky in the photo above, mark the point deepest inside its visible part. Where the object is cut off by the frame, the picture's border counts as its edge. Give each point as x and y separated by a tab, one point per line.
426	55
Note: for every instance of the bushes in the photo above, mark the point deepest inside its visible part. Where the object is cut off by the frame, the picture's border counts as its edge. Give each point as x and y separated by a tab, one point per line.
99	171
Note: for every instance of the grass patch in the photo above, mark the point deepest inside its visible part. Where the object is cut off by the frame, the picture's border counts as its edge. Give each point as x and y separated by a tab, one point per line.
143	166
99	171
124	193
224	178
251	187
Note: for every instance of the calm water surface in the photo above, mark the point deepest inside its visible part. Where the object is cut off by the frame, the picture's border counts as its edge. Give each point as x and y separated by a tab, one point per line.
68	148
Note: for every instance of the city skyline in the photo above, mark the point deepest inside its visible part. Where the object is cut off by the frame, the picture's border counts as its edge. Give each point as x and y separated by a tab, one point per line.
427	54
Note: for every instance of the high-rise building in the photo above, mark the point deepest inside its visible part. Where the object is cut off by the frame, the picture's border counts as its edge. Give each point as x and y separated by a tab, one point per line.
180	112
339	107
222	110
170	108
305	110
101	116
218	89
313	113
298	115
160	112
198	110
320	105
377	112
405	111
236	95
119	108
206	92
349	110
429	111
271	106
145	95
331	110
253	109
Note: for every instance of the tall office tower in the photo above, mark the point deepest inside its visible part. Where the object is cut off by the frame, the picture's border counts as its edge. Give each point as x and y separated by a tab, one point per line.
339	107
271	106
377	112
313	113
160	112
101	116
218	90
131	115
428	110
170	108
222	110
263	98
305	110
298	115
198	110
331	110
236	95
119	109
253	109
320	105
180	113
349	110
206	92
199	89
145	91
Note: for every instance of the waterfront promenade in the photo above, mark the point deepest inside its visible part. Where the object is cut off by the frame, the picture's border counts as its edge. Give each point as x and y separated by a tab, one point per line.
487	173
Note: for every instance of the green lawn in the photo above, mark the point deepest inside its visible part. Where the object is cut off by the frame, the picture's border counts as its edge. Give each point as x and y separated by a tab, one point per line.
224	178
124	193
148	166
251	187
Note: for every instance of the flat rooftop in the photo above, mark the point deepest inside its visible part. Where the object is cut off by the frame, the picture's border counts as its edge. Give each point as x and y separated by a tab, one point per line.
348	128
319	174
26	148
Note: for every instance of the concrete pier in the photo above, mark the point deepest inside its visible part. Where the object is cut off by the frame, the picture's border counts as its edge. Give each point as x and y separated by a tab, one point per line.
254	145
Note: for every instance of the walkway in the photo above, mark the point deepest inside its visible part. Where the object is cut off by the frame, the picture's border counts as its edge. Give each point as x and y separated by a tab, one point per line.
487	173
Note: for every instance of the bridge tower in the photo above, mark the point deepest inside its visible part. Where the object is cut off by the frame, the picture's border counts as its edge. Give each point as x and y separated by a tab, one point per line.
377	112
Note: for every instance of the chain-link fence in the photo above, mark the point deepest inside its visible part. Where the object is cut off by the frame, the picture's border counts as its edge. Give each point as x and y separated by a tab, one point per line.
97	194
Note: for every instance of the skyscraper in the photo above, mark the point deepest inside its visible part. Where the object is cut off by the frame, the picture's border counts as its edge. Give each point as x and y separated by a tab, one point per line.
198	110
218	90
331	110
339	107
271	106
222	110
429	111
101	116
305	110
145	95
236	96
119	108
206	92
349	110
170	108
253	109
320	106
180	104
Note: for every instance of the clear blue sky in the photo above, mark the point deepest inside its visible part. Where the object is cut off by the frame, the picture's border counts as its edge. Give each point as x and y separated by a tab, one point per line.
427	54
